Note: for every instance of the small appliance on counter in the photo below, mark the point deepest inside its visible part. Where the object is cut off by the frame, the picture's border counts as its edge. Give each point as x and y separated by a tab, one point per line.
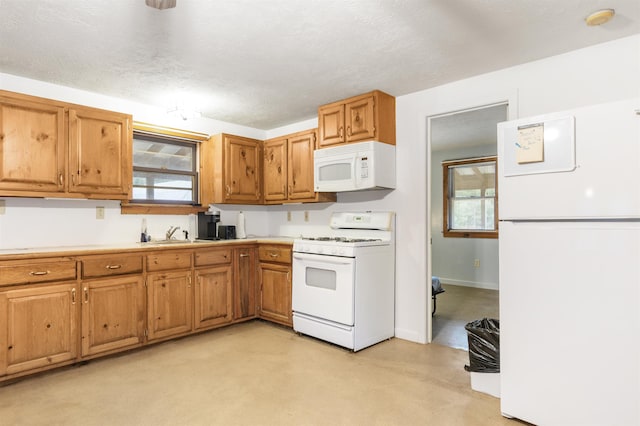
207	225
226	232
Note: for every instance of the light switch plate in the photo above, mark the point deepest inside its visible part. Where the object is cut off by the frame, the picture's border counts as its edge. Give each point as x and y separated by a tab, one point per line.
99	212
3	208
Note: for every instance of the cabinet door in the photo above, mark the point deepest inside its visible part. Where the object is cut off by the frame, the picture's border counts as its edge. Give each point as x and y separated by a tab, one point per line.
275	293
213	302
360	119
38	327
169	304
100	153
32	146
275	170
243	170
244	298
300	174
112	314
331	125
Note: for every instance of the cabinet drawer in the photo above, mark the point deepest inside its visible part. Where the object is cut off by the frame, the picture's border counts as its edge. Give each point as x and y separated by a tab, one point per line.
168	261
112	265
37	271
281	254
213	257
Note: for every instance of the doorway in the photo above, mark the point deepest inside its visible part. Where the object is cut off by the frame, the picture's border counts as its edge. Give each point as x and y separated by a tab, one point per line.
467	268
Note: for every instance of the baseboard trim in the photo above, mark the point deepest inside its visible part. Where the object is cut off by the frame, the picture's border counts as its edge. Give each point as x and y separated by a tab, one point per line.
475	284
409	335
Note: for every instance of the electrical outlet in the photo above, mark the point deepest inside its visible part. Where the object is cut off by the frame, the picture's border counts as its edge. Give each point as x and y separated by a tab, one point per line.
99	212
306	216
476	263
3	208
288	216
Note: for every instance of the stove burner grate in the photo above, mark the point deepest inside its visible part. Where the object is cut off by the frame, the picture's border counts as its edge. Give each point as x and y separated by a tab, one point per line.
342	239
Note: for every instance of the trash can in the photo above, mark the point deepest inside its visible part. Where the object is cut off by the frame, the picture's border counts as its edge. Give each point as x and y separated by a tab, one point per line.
484	355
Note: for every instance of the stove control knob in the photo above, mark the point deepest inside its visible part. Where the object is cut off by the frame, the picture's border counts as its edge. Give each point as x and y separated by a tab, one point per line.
341	252
334	251
320	250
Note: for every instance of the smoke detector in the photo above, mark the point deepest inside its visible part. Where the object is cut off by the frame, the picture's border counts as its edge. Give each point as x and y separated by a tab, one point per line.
161	4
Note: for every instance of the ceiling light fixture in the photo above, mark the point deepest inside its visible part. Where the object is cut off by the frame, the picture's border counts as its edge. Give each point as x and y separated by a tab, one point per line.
161	4
183	113
600	17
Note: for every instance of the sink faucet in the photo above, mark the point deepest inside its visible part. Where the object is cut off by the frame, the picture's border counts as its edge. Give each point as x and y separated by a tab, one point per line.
171	231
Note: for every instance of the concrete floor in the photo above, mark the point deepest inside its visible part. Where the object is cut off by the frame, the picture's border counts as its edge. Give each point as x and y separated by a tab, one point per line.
456	307
257	373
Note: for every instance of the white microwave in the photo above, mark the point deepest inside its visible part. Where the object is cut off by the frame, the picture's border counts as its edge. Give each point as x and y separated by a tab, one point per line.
355	167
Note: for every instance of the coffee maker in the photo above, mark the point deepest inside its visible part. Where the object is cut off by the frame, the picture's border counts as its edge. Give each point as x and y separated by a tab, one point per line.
208	225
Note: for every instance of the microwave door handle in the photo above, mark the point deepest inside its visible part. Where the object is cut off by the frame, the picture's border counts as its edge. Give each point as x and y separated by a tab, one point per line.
334	260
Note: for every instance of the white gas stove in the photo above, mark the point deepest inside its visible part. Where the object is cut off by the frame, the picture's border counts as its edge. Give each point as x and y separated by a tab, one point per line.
347	232
344	282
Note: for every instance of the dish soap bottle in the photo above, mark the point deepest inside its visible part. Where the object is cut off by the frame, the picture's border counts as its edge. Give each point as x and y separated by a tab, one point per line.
144	237
240	231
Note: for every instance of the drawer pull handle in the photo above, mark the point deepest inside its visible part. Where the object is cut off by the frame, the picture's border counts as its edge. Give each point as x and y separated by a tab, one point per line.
73	296
244	255
114	266
38	273
273	254
86	295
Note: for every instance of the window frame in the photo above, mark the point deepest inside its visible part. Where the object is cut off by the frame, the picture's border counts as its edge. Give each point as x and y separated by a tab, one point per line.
176	136
447	231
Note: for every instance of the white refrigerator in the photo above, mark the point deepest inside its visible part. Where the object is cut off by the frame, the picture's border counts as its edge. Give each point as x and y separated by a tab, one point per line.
569	260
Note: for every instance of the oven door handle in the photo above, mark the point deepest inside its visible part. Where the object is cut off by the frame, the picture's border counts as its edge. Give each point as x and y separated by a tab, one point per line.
335	260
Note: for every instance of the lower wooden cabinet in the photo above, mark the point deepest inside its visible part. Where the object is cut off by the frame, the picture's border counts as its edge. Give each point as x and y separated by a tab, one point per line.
112	314
275	293
39	327
213	296
244	298
57	311
275	283
169	304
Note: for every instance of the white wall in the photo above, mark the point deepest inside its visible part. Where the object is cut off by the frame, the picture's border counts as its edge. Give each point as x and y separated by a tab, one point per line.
452	258
597	74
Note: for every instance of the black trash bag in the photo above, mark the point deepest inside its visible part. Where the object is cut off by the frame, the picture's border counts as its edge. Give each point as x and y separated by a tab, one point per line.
484	346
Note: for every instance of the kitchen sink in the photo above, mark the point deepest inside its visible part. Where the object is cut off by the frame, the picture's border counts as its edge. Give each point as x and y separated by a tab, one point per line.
174	242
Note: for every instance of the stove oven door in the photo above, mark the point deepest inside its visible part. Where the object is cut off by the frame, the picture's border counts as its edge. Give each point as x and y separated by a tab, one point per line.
323	287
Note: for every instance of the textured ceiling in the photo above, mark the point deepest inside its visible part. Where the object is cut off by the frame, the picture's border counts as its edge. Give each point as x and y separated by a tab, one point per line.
269	63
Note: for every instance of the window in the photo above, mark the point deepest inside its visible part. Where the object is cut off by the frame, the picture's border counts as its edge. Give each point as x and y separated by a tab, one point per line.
470	199
165	171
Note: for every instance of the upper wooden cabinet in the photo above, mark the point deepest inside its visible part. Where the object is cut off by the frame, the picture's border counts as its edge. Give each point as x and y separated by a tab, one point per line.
231	170
371	116
288	169
100	153
56	149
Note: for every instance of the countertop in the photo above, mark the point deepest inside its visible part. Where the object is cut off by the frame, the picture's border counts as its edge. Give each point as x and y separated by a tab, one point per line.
81	250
